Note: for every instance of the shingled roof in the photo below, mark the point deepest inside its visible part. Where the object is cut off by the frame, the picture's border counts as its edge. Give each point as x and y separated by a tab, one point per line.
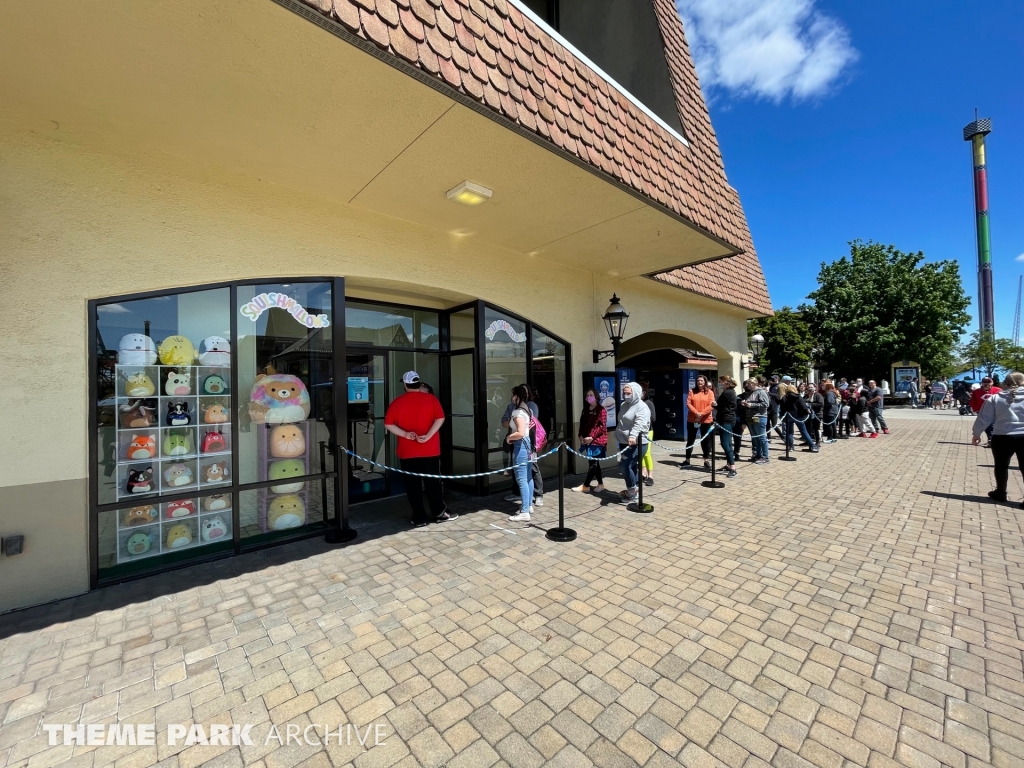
492	53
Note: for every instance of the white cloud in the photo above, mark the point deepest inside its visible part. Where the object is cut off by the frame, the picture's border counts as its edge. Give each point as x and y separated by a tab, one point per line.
766	48
1020	258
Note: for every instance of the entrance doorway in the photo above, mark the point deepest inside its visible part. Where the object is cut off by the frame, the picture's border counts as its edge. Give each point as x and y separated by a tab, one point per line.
374	381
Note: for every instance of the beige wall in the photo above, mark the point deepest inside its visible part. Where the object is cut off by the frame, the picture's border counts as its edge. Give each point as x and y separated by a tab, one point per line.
79	223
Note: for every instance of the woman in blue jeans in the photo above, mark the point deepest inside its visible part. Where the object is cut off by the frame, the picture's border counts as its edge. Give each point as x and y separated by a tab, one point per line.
755	411
634	422
519	439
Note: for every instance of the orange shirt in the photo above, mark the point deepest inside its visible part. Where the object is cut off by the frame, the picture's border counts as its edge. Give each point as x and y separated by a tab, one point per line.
698	402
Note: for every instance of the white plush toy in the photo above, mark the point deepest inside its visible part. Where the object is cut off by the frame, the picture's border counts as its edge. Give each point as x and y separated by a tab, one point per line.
136	349
215	350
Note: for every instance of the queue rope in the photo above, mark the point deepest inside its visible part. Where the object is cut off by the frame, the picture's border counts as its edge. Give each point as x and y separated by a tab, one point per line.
570	449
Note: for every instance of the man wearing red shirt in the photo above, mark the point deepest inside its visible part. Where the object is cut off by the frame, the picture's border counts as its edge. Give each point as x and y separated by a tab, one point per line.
981	394
415	418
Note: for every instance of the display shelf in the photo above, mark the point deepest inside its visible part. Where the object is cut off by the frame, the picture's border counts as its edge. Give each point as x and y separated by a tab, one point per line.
147	530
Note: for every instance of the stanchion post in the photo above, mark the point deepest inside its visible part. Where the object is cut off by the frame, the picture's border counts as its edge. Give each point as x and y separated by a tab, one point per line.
640	506
714	482
785	438
340	533
561	533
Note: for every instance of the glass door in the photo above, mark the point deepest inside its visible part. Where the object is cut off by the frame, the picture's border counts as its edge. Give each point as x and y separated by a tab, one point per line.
367	405
461	395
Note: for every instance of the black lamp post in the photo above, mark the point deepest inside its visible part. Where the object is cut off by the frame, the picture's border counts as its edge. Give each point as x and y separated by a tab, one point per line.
615	318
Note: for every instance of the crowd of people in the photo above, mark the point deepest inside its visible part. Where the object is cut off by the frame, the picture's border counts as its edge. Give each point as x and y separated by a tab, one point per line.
767	409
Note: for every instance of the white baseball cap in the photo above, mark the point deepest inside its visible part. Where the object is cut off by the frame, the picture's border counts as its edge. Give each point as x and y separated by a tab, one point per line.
411	378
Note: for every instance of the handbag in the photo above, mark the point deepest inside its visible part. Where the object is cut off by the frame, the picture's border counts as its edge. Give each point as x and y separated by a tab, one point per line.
593	451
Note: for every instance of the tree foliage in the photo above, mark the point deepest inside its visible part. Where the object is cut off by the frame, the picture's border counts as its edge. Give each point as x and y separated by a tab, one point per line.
788	343
881	305
987	353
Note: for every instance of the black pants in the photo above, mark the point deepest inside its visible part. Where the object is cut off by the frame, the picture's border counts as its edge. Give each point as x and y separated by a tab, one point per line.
1004	448
414	487
705	444
594	473
830	431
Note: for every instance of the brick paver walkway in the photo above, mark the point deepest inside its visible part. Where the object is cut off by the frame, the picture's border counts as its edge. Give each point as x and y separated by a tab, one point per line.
859	607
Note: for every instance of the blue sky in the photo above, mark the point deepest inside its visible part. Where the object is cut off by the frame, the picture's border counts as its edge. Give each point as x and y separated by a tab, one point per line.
843	120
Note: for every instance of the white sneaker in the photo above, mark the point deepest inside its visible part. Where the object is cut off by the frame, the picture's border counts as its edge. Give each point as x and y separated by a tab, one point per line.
538	501
522	517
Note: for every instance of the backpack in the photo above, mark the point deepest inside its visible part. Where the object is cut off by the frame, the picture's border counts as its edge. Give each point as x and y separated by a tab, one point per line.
540	437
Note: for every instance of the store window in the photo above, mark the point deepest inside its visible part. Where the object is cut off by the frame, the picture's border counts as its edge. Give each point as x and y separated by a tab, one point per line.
163	412
213	420
286	419
549	371
505	360
383	325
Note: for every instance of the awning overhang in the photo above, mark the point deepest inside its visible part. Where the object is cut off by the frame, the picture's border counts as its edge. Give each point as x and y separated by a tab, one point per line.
253	88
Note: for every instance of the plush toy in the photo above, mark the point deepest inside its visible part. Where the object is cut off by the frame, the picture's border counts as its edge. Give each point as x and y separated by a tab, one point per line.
216	502
141	447
139	516
138	384
286	512
178	444
217	472
177	414
284	469
215	414
140	480
178	474
176	350
178	536
214	442
212	528
214	385
287	442
278	399
178	383
139	543
136	349
176	509
137	414
215	350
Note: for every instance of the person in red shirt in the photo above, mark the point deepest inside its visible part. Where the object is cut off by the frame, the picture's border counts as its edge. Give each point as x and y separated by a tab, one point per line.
415	418
982	393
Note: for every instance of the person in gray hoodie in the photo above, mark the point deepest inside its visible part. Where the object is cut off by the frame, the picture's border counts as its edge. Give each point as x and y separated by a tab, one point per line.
634	421
1004	412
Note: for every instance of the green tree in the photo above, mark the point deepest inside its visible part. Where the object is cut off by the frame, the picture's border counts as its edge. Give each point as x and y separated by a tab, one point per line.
986	352
881	305
788	343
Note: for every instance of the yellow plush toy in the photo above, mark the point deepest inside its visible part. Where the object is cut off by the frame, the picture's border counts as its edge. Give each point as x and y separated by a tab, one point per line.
178	536
286	512
176	350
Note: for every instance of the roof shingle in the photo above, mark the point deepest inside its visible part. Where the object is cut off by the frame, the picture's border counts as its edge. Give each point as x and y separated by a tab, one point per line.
489	51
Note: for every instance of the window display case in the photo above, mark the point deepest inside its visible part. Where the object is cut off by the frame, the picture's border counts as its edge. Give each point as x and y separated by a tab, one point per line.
214	423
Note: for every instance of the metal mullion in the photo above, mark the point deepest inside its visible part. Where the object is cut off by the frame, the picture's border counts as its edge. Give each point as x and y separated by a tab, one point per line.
236	496
93	388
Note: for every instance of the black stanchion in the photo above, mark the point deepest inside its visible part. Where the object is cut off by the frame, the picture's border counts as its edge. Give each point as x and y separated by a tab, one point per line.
713	482
561	533
340	533
785	438
640	506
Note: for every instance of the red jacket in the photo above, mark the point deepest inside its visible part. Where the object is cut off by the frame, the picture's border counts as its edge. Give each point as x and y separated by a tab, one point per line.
594	424
980	395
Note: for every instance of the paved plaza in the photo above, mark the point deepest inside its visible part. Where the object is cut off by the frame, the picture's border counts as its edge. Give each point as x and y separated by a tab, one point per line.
861	607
